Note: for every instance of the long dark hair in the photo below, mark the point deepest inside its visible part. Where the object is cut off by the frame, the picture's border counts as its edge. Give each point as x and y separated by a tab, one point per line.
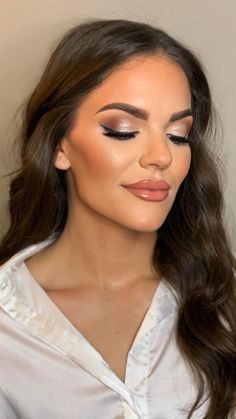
192	250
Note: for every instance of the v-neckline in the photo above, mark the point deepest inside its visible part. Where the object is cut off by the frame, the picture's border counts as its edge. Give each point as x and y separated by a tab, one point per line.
152	315
60	314
23	299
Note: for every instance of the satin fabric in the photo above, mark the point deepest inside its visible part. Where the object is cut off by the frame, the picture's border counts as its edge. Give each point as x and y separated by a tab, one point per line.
49	370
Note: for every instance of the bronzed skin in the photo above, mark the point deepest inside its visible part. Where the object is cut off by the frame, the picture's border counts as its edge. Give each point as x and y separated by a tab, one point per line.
101	267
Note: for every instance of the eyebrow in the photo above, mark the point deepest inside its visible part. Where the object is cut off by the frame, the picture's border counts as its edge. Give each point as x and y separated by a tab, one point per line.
142	113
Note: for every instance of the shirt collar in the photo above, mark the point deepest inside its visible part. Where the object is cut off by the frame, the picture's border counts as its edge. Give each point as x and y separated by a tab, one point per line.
25	301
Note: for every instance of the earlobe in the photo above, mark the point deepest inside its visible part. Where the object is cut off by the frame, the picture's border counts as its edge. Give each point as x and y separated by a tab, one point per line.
61	160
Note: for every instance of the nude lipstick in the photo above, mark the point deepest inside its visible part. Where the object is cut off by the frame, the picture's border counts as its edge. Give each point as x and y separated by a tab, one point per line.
149	189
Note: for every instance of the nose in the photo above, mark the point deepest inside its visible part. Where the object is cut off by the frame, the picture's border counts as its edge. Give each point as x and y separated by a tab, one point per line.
156	151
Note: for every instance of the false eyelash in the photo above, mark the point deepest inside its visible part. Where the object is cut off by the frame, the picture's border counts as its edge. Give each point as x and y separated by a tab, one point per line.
109	132
178	140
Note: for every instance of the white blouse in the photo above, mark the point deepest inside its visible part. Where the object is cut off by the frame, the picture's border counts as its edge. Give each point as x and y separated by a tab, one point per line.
49	370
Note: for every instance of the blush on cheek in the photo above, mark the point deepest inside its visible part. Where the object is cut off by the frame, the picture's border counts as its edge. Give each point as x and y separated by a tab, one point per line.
95	159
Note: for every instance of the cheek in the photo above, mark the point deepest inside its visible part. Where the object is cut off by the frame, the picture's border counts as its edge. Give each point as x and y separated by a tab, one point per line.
98	160
182	164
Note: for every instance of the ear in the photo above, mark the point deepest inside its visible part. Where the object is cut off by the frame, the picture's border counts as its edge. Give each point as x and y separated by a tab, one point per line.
61	160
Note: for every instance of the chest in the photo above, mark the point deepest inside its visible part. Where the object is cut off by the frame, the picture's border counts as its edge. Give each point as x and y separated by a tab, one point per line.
109	322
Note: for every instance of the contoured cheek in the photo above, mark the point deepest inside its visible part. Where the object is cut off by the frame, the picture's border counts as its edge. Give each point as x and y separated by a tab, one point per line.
92	157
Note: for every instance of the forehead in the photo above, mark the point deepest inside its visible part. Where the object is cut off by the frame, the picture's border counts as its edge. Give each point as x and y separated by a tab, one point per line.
151	82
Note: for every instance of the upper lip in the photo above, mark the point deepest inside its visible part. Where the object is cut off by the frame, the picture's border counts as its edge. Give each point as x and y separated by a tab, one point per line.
150	184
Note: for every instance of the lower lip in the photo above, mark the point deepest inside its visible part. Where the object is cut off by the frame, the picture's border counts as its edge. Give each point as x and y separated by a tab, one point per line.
149	195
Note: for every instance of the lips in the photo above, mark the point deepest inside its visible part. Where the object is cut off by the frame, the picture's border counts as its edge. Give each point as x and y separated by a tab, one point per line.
149	184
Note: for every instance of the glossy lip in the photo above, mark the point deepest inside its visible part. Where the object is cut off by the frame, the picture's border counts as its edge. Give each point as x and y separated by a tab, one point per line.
150	184
149	194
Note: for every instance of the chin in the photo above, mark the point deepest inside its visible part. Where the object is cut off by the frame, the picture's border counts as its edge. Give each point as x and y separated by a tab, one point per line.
147	226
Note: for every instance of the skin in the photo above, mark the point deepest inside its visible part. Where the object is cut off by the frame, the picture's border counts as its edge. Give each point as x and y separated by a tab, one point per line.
101	265
110	234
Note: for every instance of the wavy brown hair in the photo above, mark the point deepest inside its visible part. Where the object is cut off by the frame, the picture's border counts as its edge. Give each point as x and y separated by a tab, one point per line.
192	250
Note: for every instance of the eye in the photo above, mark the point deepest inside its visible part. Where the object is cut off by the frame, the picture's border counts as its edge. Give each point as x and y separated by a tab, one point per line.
119	135
179	140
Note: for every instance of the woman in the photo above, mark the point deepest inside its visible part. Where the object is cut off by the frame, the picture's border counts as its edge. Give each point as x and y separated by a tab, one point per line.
117	282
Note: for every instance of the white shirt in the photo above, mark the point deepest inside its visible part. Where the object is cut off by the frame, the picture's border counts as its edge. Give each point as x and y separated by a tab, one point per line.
49	370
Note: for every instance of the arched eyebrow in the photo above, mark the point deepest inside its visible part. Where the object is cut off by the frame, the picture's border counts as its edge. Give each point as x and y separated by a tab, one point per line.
142	113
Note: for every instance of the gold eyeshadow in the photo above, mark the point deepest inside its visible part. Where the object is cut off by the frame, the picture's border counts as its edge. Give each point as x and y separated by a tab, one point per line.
118	124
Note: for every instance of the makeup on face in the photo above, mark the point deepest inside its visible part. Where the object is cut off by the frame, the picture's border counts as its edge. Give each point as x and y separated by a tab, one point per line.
119	123
132	128
123	128
149	195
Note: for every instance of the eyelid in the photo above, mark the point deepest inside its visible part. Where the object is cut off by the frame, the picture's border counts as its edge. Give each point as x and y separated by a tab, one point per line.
181	130
126	135
119	135
119	125
107	128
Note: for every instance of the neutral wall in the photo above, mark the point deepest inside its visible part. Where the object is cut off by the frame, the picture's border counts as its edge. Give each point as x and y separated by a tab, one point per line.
30	28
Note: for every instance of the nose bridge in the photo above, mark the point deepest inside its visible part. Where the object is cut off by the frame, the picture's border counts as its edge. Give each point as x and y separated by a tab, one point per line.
156	150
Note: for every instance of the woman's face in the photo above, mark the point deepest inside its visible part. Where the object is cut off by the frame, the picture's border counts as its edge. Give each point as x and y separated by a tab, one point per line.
99	163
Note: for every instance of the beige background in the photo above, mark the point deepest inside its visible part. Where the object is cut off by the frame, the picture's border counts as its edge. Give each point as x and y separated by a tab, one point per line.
30	28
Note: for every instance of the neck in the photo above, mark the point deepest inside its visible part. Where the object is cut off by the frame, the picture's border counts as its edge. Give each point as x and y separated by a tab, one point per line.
97	251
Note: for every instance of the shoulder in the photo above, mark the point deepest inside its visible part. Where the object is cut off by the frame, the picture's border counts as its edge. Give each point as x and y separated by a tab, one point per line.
12	272
9	266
